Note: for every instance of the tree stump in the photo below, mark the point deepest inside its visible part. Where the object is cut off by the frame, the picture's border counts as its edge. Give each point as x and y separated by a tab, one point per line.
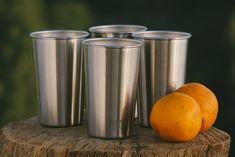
28	138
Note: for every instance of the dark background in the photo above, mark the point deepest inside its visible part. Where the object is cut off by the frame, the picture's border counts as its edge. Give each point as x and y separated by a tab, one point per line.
211	53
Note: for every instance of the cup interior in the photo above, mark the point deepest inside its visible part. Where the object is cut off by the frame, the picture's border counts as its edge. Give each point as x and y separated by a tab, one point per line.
167	35
117	29
112	42
59	34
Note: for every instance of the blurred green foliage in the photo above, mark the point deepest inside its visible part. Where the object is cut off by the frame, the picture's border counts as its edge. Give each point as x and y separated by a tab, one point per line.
18	19
211	53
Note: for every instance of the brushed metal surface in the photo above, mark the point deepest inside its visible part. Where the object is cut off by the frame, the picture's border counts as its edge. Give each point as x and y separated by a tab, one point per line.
111	77
115	31
58	64
162	67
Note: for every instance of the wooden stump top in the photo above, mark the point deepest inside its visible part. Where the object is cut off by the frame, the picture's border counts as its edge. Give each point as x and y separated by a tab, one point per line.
28	138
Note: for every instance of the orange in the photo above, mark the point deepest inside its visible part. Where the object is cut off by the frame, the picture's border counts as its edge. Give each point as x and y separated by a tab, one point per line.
206	100
176	117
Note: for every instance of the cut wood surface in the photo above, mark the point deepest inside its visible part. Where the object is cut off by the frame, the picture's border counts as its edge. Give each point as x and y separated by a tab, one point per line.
27	138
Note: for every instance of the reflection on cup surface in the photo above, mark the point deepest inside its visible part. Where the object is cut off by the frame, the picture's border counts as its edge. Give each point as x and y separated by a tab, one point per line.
111	75
58	64
162	67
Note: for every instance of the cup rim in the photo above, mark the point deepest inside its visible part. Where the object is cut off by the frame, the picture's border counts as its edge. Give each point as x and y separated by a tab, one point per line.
115	28
161	35
93	42
40	34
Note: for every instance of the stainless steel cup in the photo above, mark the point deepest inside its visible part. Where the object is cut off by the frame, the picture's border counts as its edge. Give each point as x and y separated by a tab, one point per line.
162	67
115	31
111	77
58	63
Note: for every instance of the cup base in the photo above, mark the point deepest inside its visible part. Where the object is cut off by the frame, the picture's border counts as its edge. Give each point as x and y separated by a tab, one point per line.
59	126
144	126
109	138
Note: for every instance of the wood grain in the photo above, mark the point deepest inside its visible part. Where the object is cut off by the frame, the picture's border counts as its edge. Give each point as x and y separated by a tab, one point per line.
29	139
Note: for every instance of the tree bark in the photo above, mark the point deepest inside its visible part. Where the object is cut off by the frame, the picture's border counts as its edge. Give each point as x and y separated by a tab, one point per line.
28	138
